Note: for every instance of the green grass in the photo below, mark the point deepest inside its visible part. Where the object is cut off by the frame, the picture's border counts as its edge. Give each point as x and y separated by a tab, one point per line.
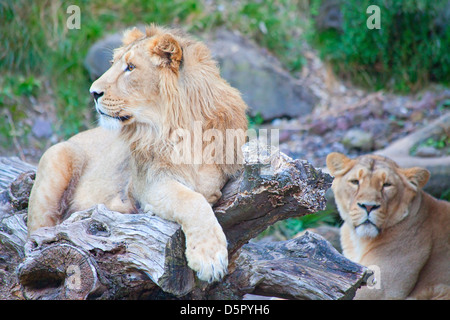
14	94
286	229
405	54
445	195
275	25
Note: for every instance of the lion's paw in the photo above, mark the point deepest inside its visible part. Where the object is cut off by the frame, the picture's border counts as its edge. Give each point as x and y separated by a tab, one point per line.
207	254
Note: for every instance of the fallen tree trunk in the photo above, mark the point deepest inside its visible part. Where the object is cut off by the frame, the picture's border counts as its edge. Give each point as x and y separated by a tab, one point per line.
439	167
101	254
304	268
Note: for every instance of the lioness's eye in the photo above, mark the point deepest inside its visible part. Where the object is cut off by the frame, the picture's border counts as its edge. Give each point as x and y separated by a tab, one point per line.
386	184
355	182
130	67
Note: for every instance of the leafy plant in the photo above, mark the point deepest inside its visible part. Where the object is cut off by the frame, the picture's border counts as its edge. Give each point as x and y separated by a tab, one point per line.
409	50
446	195
256	120
290	227
439	142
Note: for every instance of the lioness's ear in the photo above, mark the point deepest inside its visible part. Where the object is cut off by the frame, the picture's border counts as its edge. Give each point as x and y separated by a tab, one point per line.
167	48
418	177
338	163
131	35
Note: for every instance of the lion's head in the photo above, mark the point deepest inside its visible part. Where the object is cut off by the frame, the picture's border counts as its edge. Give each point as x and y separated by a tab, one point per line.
372	193
131	89
162	80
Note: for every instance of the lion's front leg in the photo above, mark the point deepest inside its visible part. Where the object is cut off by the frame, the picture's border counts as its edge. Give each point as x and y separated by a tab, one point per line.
206	245
58	168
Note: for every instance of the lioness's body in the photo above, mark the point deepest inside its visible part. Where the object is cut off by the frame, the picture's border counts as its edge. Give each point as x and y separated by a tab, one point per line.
160	82
407	241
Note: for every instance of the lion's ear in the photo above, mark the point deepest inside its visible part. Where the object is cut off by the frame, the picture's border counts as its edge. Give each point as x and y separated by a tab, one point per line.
338	163
169	51
132	35
418	177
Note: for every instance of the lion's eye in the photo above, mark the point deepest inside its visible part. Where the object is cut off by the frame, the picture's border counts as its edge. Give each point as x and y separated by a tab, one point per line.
130	67
386	184
355	182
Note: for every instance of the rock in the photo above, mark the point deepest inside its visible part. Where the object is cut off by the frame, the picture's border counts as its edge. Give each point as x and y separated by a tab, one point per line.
319	127
428	101
330	233
42	128
266	87
358	139
342	123
100	54
427	151
330	16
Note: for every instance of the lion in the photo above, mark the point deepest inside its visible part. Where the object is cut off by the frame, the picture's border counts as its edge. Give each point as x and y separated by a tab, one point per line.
161	80
393	227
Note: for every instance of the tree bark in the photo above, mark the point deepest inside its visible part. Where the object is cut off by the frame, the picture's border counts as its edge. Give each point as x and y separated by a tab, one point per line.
304	268
101	254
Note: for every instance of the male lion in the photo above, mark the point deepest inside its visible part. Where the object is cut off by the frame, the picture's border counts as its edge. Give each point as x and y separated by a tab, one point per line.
394	226
160	81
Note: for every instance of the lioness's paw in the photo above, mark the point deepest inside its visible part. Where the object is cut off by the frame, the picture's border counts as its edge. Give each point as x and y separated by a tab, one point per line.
207	254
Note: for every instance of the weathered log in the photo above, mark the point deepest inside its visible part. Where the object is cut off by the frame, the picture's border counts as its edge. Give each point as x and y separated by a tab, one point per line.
132	253
98	253
304	268
16	180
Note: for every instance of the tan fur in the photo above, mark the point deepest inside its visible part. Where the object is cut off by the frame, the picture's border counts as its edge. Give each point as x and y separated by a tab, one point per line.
407	239
127	162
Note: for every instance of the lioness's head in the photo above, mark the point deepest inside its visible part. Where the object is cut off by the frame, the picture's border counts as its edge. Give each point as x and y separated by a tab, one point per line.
372	193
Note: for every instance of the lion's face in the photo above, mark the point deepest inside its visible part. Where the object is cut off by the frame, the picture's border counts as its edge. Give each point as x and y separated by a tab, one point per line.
130	90
372	193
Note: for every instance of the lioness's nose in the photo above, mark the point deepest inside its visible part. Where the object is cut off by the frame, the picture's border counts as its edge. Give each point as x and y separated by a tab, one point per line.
96	95
368	207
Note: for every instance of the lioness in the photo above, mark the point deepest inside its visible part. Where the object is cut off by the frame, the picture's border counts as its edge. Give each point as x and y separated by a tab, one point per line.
393	225
160	81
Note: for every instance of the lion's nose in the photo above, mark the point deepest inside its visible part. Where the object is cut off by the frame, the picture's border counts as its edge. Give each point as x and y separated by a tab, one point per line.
96	95
368	207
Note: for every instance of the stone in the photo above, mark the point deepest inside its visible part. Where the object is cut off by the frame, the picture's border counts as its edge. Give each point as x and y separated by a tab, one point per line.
358	139
100	54
266	87
42	128
427	152
329	15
